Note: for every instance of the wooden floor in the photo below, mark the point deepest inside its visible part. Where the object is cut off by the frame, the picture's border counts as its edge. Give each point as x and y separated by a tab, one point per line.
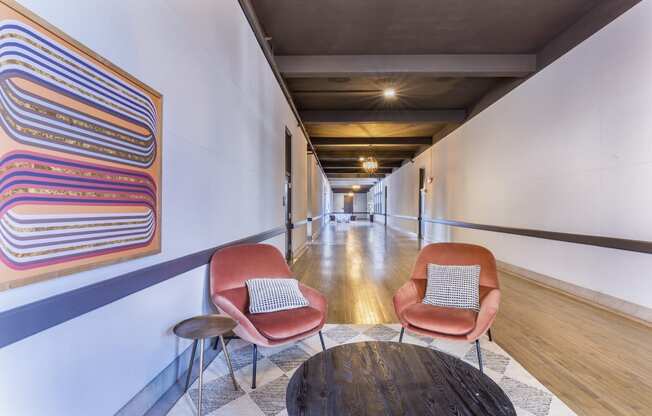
358	267
597	362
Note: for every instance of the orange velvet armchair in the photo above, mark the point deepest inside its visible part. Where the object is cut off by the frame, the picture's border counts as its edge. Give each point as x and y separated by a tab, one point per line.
449	323
231	267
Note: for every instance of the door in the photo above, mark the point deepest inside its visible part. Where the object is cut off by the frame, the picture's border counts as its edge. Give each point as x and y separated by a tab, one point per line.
348	204
422	200
385	205
287	197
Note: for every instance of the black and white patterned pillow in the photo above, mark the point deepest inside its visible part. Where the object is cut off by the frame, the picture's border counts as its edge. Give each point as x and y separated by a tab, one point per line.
453	286
271	295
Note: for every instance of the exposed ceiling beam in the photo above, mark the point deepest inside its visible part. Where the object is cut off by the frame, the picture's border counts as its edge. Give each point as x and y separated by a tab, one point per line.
364	141
356	169
354	175
362	190
355	154
339	183
356	164
323	66
383	116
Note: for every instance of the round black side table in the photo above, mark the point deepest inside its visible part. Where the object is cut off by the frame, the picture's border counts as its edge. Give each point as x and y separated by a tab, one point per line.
388	378
198	329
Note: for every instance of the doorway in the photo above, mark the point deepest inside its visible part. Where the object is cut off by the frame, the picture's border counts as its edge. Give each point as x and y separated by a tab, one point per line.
385	204
287	196
348	204
422	201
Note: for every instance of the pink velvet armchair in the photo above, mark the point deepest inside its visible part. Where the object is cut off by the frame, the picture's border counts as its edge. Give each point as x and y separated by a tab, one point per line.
449	323
231	267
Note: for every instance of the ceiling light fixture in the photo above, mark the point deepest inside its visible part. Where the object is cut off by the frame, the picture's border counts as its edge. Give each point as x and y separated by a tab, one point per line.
350	194
389	93
361	159
370	164
356	187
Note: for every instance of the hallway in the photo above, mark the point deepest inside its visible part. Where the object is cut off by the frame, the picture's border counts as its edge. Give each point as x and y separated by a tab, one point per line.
238	191
583	354
358	266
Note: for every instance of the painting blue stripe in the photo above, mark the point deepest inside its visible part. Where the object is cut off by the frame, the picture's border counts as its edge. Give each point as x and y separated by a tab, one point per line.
76	59
78	78
17	113
96	104
44	159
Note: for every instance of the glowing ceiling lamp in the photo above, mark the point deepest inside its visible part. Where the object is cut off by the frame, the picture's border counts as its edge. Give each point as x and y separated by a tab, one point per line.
356	187
370	165
389	93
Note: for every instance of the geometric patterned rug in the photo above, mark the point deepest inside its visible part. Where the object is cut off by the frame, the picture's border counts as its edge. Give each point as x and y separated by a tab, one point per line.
276	366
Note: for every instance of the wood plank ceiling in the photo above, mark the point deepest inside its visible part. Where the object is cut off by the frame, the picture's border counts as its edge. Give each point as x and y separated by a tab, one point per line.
445	61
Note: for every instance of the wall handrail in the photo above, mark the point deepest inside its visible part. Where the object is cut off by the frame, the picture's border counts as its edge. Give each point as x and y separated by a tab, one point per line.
29	319
638	246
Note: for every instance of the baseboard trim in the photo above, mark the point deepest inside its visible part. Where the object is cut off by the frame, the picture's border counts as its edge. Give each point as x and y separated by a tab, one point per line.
164	390
626	309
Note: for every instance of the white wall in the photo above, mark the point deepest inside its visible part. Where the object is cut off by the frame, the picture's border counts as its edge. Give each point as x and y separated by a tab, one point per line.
300	186
338	202
317	192
569	150
223	136
359	202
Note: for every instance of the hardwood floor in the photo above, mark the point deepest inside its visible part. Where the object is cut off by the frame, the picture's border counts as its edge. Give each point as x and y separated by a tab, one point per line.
358	267
596	361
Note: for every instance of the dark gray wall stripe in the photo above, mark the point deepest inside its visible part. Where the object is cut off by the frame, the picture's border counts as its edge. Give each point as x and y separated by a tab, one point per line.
30	319
591	240
638	246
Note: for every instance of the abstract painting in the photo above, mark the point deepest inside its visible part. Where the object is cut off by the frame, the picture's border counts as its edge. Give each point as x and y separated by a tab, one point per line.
80	156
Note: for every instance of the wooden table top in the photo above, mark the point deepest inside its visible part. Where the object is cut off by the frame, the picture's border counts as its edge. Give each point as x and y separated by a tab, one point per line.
204	326
388	378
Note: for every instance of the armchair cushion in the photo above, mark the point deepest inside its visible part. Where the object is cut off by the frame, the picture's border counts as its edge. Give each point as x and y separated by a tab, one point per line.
450	321
453	286
288	323
272	295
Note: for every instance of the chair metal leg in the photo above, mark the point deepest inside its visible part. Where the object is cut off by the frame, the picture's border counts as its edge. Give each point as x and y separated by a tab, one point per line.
321	338
477	349
253	381
228	362
491	339
201	375
192	361
400	337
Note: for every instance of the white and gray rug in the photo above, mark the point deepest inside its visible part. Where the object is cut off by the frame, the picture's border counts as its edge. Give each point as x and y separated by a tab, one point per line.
276	366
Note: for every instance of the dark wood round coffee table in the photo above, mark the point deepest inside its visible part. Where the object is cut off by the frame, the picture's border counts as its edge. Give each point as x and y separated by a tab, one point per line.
388	378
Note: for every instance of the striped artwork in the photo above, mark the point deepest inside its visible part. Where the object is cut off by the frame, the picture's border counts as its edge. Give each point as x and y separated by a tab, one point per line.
80	156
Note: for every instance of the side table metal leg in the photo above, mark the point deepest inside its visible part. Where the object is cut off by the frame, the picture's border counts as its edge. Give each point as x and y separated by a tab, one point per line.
201	375
321	338
192	361
479	352
253	380
228	362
